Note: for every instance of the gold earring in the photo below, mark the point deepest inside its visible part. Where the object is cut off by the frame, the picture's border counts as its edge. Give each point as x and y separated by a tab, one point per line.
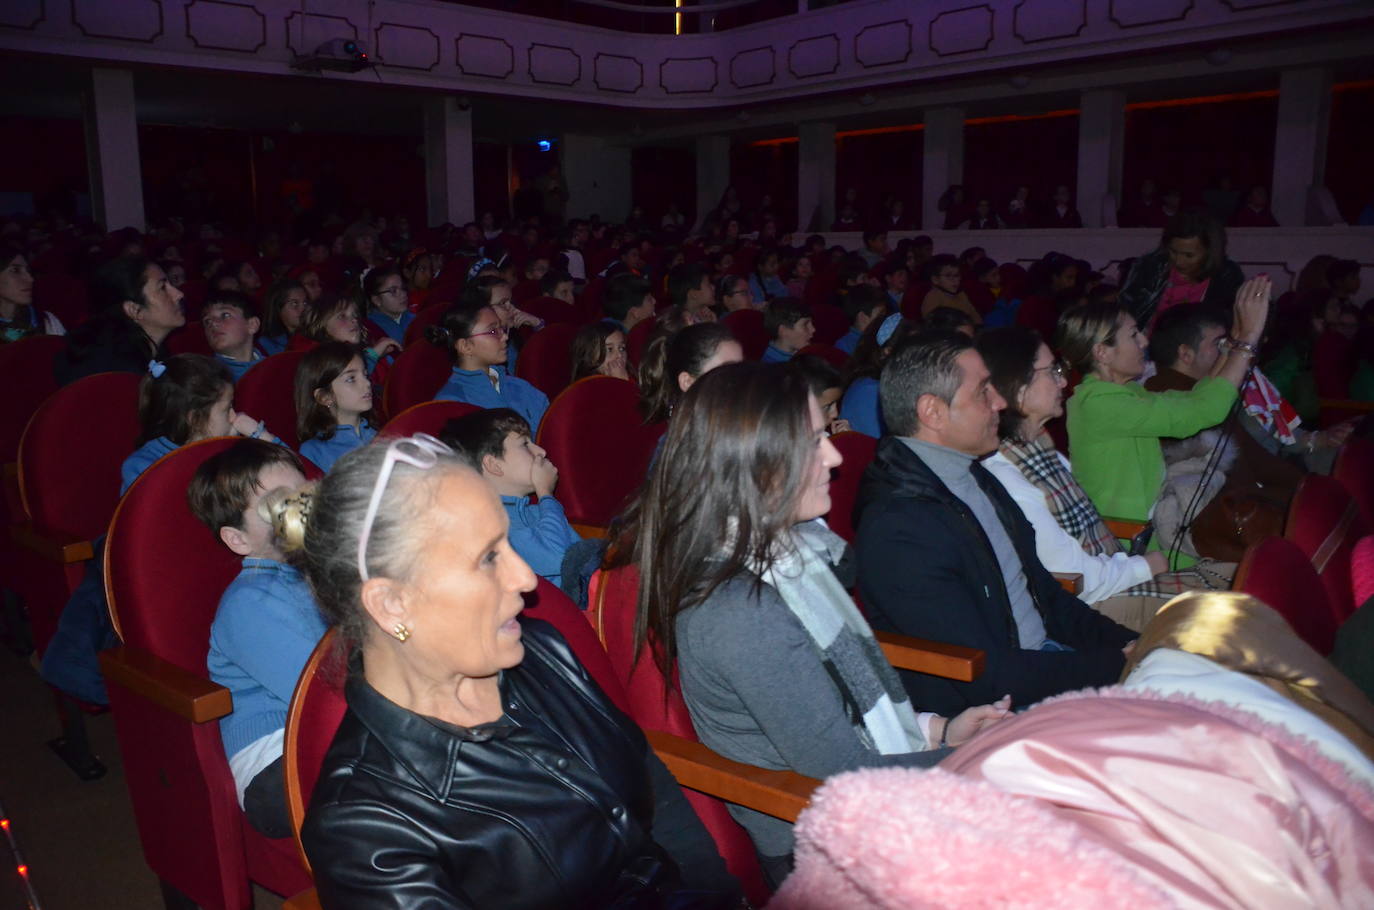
401	632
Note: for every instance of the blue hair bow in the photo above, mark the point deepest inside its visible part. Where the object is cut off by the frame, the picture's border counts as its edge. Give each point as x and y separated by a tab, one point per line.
156	368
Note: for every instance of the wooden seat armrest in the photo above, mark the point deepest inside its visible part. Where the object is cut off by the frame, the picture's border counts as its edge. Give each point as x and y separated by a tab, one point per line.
934	657
588	531
1070	581
781	794
1124	528
1345	404
193	697
53	547
306	900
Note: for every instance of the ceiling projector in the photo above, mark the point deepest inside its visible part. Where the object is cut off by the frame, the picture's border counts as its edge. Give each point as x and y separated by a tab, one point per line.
342	55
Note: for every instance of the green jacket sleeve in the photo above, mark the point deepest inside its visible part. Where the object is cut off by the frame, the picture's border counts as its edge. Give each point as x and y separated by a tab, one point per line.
1124	412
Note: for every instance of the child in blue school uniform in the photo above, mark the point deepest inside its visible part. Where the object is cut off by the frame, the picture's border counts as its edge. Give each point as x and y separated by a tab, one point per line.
388	302
333	403
497	444
267	623
231	324
788	323
477	341
187	398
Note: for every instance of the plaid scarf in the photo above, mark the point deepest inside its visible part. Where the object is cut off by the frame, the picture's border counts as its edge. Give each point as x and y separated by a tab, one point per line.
1040	463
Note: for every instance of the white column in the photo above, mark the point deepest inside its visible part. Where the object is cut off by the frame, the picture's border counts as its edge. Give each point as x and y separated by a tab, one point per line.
1300	143
111	126
942	161
597	175
449	181
815	176
713	173
1101	138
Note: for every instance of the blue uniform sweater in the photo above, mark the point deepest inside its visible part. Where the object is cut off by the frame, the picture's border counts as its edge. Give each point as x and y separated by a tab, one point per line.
238	367
540	533
324	452
142	459
862	409
474	387
774	354
849	341
394	328
266	626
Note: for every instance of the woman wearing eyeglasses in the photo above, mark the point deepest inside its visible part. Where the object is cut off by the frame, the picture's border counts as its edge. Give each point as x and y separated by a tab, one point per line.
477	343
477	764
1070	535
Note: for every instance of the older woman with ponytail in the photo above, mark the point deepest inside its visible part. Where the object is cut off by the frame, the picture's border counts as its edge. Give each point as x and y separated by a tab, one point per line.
477	764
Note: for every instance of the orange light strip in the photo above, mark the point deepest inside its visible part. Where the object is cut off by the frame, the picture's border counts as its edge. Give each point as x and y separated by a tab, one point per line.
1070	112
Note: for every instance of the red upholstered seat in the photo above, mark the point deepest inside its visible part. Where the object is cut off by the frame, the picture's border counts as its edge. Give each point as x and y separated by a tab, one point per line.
546	359
831	323
430	315
829	353
65	296
69	458
1324	521
164	574
747	327
551	310
27	365
426	417
857	451
268	393
416	376
594	433
1355	471
639	338
820	290
615	595
1280	574
1362	570
589	301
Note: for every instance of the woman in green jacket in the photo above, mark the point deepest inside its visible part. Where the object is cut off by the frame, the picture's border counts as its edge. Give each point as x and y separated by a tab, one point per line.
1115	425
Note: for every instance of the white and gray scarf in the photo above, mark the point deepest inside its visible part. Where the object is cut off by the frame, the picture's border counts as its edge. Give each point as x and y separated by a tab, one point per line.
879	706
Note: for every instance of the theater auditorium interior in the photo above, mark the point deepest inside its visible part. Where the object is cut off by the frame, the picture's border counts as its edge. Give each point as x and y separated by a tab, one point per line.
686	453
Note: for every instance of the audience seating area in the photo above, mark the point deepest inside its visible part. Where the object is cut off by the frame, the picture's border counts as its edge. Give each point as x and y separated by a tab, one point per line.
62	449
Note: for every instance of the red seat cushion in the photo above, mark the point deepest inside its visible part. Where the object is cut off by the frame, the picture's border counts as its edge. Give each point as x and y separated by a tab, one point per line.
546	359
594	433
1280	574
268	393
747	327
426	417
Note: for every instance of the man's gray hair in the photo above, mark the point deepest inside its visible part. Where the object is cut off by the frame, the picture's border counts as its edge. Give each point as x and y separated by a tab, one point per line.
923	364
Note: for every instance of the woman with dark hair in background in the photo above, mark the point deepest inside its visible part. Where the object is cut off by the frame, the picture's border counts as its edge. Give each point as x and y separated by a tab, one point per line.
18	316
287	305
1189	266
134	309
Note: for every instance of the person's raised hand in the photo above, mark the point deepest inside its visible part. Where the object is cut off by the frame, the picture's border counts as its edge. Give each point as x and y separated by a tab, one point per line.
965	725
1252	309
544	476
385	345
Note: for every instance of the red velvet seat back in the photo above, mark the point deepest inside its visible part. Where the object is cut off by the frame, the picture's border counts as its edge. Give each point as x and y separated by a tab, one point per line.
589	301
594	433
1355	471
1324	521
548	603
820	290
546	359
164	574
160	561
831	323
416	376
551	310
65	296
1280	574
829	353
430	315
267	392
71	451
653	707
747	327
189	339
426	417
317	708
857	451
27	368
638	340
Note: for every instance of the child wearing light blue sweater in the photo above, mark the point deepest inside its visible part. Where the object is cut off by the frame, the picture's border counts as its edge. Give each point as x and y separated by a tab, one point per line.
266	625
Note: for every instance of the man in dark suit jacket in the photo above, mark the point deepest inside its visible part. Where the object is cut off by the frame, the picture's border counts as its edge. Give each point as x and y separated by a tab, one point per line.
944	552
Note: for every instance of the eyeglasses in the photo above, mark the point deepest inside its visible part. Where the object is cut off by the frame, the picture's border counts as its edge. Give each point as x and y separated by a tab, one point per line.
495	332
1058	369
421	451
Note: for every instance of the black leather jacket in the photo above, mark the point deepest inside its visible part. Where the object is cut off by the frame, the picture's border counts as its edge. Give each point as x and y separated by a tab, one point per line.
552	806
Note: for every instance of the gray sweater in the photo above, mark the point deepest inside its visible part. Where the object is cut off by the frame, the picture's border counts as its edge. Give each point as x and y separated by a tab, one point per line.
758	693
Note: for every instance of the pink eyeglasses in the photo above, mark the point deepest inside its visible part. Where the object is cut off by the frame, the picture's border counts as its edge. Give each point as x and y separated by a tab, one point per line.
421	451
